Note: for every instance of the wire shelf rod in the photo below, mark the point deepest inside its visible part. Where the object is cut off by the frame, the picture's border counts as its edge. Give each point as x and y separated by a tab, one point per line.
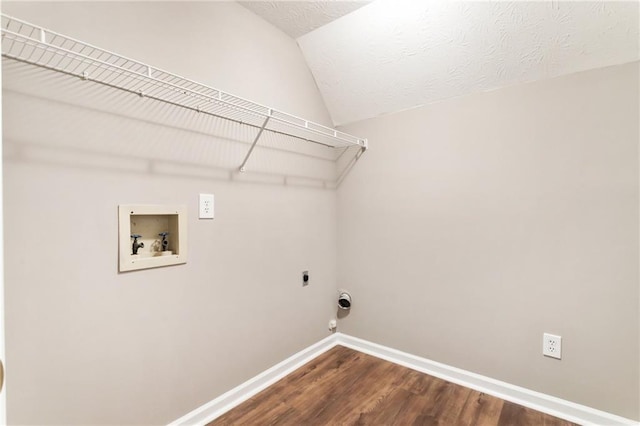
103	51
223	117
51	50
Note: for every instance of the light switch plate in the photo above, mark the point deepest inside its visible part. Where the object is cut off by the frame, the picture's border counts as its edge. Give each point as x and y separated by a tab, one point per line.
206	206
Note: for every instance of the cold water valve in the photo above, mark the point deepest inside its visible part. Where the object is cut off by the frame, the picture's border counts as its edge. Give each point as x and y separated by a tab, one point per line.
165	242
136	244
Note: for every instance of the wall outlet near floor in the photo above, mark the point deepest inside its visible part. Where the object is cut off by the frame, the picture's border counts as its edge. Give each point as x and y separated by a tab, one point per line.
552	345
333	324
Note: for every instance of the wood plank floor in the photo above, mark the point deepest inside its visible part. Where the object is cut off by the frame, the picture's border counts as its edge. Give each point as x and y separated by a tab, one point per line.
347	387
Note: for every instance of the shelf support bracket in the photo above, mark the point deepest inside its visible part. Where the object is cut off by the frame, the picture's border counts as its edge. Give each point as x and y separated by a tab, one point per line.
253	145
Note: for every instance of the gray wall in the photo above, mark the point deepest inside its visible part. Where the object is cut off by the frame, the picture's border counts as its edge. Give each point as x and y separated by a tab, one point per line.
474	225
88	345
468	229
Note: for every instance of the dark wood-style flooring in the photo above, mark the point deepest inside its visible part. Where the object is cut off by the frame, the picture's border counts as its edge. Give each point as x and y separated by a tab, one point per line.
346	387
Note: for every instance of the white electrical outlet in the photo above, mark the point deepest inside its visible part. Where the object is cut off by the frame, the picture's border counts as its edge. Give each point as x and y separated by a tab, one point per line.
552	345
206	206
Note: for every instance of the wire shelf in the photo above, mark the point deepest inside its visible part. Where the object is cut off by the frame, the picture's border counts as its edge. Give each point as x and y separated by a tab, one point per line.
25	42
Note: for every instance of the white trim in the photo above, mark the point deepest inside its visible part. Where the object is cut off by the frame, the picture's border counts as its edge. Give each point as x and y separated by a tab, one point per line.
225	402
557	407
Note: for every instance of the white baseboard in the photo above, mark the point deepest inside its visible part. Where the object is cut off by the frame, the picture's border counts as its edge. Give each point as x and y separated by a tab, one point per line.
535	400
538	401
225	402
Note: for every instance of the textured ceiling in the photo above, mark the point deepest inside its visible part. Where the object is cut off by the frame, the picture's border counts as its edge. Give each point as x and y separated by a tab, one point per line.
300	17
397	54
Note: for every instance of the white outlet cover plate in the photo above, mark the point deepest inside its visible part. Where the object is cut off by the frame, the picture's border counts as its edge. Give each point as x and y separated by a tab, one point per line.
552	345
206	206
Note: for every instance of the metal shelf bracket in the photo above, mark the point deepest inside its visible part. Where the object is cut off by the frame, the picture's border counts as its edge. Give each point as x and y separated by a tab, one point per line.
255	141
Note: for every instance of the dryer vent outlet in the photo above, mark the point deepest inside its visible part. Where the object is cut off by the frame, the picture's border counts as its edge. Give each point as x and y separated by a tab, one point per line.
344	300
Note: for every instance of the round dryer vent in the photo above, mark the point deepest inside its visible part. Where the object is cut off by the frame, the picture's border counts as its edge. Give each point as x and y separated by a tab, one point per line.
344	300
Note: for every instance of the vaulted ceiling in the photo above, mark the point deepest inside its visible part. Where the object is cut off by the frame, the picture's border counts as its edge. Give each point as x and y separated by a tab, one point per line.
391	55
297	18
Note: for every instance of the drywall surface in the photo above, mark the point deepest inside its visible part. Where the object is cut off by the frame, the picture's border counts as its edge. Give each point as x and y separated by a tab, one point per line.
296	18
405	53
471	226
89	345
